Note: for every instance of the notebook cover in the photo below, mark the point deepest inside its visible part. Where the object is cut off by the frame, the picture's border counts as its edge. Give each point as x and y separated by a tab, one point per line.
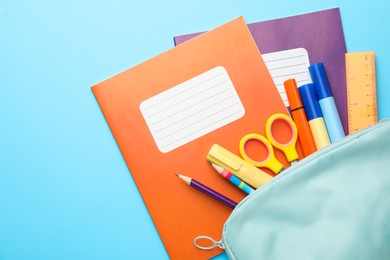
179	212
320	33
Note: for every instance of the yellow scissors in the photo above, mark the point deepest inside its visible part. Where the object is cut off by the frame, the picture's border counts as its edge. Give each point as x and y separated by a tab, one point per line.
288	148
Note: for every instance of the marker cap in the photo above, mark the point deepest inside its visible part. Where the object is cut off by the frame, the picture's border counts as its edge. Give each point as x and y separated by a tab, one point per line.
310	101
320	80
292	94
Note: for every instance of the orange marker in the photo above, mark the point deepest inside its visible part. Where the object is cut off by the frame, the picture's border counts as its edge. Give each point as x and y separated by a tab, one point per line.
298	114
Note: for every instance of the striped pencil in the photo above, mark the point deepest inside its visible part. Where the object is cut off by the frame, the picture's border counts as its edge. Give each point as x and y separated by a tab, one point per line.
233	179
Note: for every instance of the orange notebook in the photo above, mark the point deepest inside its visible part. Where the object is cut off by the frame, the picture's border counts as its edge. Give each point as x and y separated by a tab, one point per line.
167	112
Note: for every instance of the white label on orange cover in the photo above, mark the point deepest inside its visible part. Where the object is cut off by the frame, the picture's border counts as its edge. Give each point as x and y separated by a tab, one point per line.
288	64
192	109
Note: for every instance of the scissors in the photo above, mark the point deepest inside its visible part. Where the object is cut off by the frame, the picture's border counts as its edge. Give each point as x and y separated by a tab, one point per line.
288	148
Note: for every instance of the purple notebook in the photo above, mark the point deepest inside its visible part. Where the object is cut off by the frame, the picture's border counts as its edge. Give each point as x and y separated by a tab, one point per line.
320	33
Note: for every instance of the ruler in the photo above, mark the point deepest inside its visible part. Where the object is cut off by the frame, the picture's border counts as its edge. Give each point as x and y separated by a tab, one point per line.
361	90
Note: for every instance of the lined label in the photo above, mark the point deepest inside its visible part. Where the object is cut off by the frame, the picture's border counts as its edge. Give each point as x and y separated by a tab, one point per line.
192	109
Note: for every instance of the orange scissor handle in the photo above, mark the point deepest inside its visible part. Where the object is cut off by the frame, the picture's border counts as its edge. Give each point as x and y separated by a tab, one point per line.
270	162
289	147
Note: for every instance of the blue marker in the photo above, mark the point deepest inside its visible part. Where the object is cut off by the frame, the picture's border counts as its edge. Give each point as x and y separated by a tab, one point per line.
314	115
326	101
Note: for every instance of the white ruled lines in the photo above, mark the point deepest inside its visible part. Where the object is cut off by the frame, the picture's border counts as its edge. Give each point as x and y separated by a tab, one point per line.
192	109
288	64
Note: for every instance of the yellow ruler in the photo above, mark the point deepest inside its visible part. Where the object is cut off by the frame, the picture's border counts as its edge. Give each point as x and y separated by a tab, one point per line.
361	90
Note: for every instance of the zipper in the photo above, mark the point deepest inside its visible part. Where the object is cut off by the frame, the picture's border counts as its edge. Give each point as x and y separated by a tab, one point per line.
293	168
213	245
222	243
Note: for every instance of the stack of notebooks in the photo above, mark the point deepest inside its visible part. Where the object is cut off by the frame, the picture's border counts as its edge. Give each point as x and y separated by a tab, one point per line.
213	87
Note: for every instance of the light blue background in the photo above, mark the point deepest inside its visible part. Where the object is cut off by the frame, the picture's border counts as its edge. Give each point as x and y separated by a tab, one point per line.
65	191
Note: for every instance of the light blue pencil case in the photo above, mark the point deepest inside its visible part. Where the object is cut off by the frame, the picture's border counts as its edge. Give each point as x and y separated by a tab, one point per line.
334	204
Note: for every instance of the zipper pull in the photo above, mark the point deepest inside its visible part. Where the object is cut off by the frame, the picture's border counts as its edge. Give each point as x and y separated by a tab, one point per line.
214	243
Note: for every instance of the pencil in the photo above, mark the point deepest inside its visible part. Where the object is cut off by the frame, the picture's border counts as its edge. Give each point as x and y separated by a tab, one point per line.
208	191
233	179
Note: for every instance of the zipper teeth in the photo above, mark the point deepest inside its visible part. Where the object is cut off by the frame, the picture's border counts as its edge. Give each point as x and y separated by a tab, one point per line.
292	169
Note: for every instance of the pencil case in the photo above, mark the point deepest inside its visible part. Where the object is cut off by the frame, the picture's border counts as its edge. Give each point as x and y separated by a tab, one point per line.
334	204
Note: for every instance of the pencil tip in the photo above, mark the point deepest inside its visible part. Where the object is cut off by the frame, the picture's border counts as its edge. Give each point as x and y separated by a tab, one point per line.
218	168
177	174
